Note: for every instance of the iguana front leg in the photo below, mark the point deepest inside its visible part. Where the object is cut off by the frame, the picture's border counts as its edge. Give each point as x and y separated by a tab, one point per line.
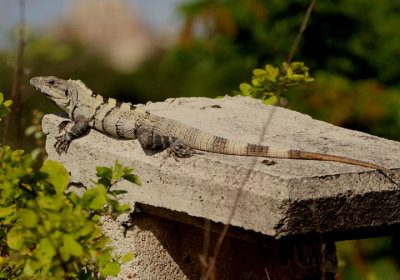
81	125
148	139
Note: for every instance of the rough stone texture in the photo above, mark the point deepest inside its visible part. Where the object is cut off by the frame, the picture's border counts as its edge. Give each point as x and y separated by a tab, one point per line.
281	201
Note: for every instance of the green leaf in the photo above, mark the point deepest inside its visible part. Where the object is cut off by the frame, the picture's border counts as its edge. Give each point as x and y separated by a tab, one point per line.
127	170
270	101
255	82
72	246
28	270
118	192
54	202
117	171
6	211
58	175
65	254
7	103
103	172
123	208
289	73
245	88
35	153
103	258
28	218
38	135
87	229
95	218
101	190
133	179
44	251
15	239
111	269
30	130
272	73
74	198
98	202
127	257
259	72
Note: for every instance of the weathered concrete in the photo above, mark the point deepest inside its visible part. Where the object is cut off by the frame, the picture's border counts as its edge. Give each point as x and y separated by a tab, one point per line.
283	200
168	249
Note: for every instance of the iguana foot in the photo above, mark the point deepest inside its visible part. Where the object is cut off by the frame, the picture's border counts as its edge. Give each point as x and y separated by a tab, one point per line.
179	150
62	143
62	126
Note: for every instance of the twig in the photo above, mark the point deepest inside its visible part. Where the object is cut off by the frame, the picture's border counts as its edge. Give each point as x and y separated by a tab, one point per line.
313	209
206	246
254	161
238	195
301	31
266	272
16	87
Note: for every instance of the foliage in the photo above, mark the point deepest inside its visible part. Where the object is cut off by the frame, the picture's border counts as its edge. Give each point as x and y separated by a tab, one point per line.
268	84
341	37
365	105
367	259
49	233
4	106
35	130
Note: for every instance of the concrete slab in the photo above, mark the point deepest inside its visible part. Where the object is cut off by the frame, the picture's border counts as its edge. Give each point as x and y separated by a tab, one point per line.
288	198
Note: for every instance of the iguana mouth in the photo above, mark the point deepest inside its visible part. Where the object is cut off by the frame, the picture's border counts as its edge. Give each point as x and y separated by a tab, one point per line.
36	82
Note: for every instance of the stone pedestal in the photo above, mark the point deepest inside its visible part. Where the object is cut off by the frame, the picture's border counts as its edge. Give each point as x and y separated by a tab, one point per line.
167	249
288	216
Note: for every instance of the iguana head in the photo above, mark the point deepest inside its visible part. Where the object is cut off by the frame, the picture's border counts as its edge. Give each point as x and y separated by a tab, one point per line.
55	89
64	93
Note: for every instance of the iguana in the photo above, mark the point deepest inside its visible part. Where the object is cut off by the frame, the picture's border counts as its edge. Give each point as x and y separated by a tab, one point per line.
87	109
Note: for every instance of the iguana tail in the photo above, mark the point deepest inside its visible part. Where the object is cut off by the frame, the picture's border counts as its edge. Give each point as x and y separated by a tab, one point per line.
224	146
200	140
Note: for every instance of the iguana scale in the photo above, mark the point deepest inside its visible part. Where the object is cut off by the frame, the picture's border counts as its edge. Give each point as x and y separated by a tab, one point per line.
87	109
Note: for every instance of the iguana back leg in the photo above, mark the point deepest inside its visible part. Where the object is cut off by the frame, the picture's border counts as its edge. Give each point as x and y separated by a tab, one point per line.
149	139
179	150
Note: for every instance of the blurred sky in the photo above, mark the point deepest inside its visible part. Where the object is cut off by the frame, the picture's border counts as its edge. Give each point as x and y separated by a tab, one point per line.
157	14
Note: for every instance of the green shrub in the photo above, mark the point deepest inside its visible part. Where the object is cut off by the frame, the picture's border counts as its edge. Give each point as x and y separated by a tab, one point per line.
49	233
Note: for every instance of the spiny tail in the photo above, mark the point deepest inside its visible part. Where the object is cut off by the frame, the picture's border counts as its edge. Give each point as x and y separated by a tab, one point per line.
224	146
265	151
199	140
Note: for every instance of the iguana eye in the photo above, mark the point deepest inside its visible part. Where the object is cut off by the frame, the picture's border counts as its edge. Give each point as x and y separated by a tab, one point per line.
66	92
51	82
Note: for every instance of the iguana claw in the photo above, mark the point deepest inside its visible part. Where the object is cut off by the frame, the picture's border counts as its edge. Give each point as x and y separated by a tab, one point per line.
62	143
180	150
62	126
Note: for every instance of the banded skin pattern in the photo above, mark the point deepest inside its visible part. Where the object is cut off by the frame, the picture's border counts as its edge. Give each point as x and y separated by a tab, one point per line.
87	109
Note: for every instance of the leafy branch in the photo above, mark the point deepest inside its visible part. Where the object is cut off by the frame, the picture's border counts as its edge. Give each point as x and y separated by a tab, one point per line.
270	83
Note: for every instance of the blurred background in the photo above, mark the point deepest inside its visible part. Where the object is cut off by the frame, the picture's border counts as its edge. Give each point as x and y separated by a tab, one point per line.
139	51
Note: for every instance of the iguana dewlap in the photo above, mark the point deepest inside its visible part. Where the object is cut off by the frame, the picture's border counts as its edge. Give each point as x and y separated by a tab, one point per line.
87	109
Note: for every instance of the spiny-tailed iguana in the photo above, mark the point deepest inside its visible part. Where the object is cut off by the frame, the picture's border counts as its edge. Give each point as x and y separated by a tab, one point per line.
88	109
